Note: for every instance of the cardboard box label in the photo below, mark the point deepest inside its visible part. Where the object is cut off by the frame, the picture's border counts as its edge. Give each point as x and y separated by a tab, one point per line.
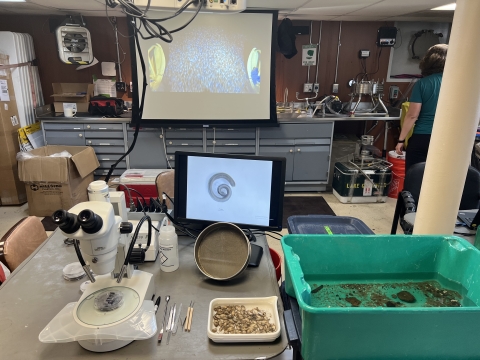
47	189
72	106
14	120
4	96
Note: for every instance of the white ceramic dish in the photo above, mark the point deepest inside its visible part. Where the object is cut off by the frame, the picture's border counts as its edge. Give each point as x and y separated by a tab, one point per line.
268	304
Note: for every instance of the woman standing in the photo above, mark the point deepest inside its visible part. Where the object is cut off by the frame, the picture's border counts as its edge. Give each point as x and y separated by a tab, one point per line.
423	104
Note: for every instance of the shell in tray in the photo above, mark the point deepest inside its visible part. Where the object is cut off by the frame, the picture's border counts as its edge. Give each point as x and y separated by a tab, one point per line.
266	304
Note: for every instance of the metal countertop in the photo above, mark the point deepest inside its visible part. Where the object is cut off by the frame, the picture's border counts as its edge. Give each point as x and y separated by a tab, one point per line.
36	292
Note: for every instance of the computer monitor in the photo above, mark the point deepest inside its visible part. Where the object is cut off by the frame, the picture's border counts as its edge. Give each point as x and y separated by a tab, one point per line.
244	190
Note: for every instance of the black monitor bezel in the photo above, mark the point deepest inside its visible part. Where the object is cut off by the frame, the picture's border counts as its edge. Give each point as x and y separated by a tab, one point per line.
277	189
271	121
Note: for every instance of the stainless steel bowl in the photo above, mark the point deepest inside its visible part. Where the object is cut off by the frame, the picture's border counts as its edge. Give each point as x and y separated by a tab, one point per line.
222	251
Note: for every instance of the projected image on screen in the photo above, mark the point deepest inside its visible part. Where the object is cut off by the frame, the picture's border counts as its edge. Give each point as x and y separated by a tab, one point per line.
217	68
219	189
200	60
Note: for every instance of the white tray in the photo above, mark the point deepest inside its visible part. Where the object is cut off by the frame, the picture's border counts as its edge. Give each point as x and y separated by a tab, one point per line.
268	304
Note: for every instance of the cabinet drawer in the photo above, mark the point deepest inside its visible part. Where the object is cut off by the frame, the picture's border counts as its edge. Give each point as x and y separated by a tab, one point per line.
107	164
108	157
65	138
103	134
279	142
184	142
95	126
232	149
231	133
183	133
108	150
105	142
62	126
322	141
231	142
173	149
298	131
104	172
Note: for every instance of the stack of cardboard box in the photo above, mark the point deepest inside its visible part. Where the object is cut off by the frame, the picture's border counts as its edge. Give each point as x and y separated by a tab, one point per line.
12	191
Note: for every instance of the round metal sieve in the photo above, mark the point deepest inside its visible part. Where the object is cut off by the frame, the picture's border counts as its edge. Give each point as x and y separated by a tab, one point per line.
222	251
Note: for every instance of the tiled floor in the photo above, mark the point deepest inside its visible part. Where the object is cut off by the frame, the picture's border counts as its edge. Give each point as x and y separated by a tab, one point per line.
377	216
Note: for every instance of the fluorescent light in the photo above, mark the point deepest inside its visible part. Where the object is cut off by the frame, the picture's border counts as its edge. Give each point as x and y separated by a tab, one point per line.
450	7
13	0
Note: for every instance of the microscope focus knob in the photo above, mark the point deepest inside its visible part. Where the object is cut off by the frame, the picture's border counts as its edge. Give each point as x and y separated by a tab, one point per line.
126	228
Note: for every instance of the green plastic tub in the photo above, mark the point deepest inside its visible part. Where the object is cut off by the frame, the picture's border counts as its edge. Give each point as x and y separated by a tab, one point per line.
410	332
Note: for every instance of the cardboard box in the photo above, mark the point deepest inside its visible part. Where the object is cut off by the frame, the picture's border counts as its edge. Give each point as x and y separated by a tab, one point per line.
78	93
12	190
54	183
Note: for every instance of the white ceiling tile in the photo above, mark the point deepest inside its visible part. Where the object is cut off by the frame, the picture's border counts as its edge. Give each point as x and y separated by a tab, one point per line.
71	5
334	10
275	4
397	8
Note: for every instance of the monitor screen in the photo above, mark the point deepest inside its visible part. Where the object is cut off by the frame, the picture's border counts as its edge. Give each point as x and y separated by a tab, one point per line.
218	70
244	190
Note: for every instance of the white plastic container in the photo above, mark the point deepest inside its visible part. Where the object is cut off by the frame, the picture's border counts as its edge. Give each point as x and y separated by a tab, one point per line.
98	191
168	246
268	304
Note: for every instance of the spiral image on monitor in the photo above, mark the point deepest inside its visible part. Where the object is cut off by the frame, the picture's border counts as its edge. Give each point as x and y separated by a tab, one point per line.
220	187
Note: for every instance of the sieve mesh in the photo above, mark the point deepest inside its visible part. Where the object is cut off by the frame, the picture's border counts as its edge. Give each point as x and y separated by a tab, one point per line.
222	251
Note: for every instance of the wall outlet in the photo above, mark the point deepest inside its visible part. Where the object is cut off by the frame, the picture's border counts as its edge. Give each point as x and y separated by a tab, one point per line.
393	93
121	86
307	87
335	89
363	54
316	87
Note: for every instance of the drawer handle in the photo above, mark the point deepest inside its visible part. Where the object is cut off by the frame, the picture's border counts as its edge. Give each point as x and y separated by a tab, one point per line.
104	144
76	128
105	159
102	128
89	141
80	135
183	144
298	150
88	126
170	143
231	144
291	150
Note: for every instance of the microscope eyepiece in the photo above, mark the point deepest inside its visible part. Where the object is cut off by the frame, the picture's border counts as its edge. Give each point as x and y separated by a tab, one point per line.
89	221
66	222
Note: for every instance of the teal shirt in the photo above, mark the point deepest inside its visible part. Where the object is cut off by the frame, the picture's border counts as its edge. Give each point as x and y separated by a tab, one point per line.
425	91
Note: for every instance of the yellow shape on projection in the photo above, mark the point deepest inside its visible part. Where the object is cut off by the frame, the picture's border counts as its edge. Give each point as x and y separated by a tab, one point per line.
156	66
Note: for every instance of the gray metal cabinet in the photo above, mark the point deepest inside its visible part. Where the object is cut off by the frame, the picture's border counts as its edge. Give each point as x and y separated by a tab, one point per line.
281	151
72	138
149	152
306	148
305	145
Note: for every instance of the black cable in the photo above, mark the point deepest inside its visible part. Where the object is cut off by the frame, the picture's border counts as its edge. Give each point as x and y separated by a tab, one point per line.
132	10
135	236
169	198
378	61
76	245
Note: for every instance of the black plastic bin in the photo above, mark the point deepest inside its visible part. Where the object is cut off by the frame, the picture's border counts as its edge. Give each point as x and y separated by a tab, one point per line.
327	224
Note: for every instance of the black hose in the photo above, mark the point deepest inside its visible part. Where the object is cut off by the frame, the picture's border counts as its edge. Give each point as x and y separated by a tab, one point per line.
76	245
135	236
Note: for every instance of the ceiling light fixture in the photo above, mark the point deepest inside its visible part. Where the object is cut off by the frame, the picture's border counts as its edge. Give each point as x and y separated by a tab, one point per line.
13	0
450	7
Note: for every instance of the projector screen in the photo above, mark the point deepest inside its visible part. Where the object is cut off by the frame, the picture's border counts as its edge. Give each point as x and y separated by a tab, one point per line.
218	70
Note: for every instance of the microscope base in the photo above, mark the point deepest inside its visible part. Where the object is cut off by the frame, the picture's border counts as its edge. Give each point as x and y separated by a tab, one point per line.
104	347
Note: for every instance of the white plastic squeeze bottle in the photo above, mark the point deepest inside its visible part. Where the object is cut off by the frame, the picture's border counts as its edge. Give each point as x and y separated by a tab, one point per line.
168	243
